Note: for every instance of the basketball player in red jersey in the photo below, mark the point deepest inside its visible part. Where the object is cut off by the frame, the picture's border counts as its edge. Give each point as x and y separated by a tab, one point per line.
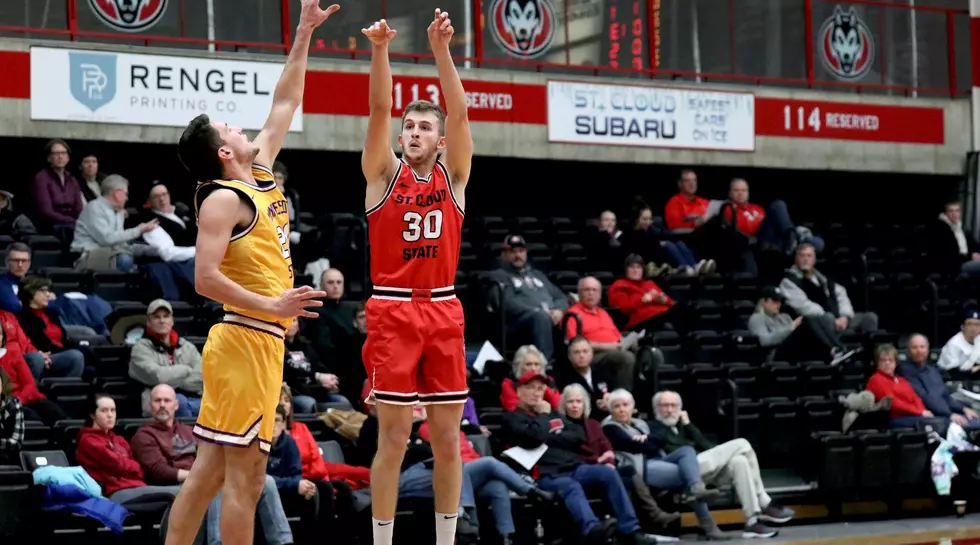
414	350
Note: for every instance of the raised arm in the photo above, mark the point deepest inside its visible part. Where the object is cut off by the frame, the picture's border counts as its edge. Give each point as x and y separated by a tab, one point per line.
378	160
459	140
289	91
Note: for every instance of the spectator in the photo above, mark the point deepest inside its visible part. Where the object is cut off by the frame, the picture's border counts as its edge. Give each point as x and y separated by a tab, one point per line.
44	330
351	371
91	178
596	381
108	459
641	446
42	364
962	351
166	450
606	242
18	263
803	339
173	241
99	233
286	468
810	293
595	324
307	375
162	356
490	479
532	305
296	226
13	223
527	359
335	324
55	192
575	405
686	211
645	240
646	305
951	248
11	423
561	470
732	462
770	227
37	407
907	408
927	381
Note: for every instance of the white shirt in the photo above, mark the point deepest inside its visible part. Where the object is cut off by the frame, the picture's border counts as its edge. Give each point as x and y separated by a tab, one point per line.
161	240
959	354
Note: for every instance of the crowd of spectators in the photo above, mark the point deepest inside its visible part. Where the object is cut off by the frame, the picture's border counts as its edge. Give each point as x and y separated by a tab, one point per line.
567	387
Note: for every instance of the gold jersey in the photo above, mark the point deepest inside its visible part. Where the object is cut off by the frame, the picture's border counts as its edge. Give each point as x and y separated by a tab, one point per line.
258	257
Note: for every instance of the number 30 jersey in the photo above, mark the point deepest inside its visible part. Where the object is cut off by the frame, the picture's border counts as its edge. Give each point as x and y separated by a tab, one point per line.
415	231
258	257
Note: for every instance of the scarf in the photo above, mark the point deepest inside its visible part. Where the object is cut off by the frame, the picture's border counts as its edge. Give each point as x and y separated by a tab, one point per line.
161	346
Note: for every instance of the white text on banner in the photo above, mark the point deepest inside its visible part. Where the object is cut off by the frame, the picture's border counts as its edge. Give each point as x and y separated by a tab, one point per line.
141	89
662	117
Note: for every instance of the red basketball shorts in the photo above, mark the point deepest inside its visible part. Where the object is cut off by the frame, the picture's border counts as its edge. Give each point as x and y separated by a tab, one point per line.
414	352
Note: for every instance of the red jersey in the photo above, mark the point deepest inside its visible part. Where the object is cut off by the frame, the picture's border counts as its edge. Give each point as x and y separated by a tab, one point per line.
415	231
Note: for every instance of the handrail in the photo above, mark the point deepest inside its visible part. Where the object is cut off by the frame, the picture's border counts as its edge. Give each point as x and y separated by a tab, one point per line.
479	59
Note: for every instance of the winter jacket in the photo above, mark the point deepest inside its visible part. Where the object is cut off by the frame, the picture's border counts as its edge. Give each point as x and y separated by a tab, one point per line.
108	459
21	379
177	363
627	296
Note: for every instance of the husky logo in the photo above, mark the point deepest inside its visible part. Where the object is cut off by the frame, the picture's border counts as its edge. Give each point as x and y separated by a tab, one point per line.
846	45
524	28
129	15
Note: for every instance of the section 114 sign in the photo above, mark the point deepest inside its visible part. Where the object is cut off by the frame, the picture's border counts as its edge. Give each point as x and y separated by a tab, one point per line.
660	117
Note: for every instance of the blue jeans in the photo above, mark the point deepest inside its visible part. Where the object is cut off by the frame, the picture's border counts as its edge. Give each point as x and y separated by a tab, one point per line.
569	487
416	482
534	327
169	275
269	511
67	363
187	406
677	472
777	229
125	262
307	404
493	480
679	254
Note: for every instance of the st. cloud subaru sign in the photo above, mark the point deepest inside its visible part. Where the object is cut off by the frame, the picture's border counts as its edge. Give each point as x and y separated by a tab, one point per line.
142	89
662	117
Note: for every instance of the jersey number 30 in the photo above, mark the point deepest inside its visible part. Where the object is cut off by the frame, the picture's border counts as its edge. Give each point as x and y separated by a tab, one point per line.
418	226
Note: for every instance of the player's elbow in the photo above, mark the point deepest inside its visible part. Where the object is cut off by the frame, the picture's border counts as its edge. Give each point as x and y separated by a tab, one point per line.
204	281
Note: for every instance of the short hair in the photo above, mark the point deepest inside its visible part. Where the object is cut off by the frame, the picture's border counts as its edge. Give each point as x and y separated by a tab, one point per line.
29	286
951	202
18	247
578	339
6	389
685	172
885	349
281	411
358	307
113	182
426	107
804	245
620	394
198	148
575	388
280	167
911	336
56	142
659	395
525	351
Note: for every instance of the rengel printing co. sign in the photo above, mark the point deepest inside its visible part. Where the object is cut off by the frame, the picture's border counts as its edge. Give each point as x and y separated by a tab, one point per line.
660	117
138	89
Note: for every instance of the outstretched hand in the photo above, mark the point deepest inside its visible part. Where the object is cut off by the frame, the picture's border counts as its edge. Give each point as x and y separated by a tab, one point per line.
379	33
440	29
311	14
296	301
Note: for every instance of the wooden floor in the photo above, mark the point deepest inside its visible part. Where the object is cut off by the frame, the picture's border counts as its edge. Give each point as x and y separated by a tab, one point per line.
958	536
933	531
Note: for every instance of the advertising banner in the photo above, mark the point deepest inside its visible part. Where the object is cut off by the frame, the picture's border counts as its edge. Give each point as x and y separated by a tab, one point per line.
661	117
138	89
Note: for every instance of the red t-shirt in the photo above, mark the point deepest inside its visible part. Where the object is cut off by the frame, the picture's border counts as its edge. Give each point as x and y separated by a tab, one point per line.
51	330
597	325
748	217
681	209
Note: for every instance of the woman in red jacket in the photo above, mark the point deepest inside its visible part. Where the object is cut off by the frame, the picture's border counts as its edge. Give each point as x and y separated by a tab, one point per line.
37	406
907	408
107	458
646	305
527	359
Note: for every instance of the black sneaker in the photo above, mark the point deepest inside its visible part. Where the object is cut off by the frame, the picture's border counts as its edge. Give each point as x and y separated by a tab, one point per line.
601	533
542	495
758	531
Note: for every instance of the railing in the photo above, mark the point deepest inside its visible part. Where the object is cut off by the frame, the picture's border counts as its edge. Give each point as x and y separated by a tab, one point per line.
899	47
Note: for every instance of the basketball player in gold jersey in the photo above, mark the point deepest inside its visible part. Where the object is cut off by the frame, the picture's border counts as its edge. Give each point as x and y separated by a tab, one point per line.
243	260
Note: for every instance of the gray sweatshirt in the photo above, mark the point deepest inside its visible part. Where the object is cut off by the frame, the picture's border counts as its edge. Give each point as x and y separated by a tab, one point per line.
771	329
101	226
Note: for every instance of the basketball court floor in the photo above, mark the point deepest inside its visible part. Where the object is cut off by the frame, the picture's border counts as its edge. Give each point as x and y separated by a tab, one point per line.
931	531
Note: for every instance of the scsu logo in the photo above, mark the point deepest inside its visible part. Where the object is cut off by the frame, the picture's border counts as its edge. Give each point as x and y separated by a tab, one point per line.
846	45
524	28
129	15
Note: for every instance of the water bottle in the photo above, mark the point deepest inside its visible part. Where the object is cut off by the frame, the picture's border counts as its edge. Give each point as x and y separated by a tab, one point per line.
539	532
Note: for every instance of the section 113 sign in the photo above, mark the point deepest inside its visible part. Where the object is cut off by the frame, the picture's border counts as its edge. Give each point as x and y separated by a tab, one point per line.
849	121
661	117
